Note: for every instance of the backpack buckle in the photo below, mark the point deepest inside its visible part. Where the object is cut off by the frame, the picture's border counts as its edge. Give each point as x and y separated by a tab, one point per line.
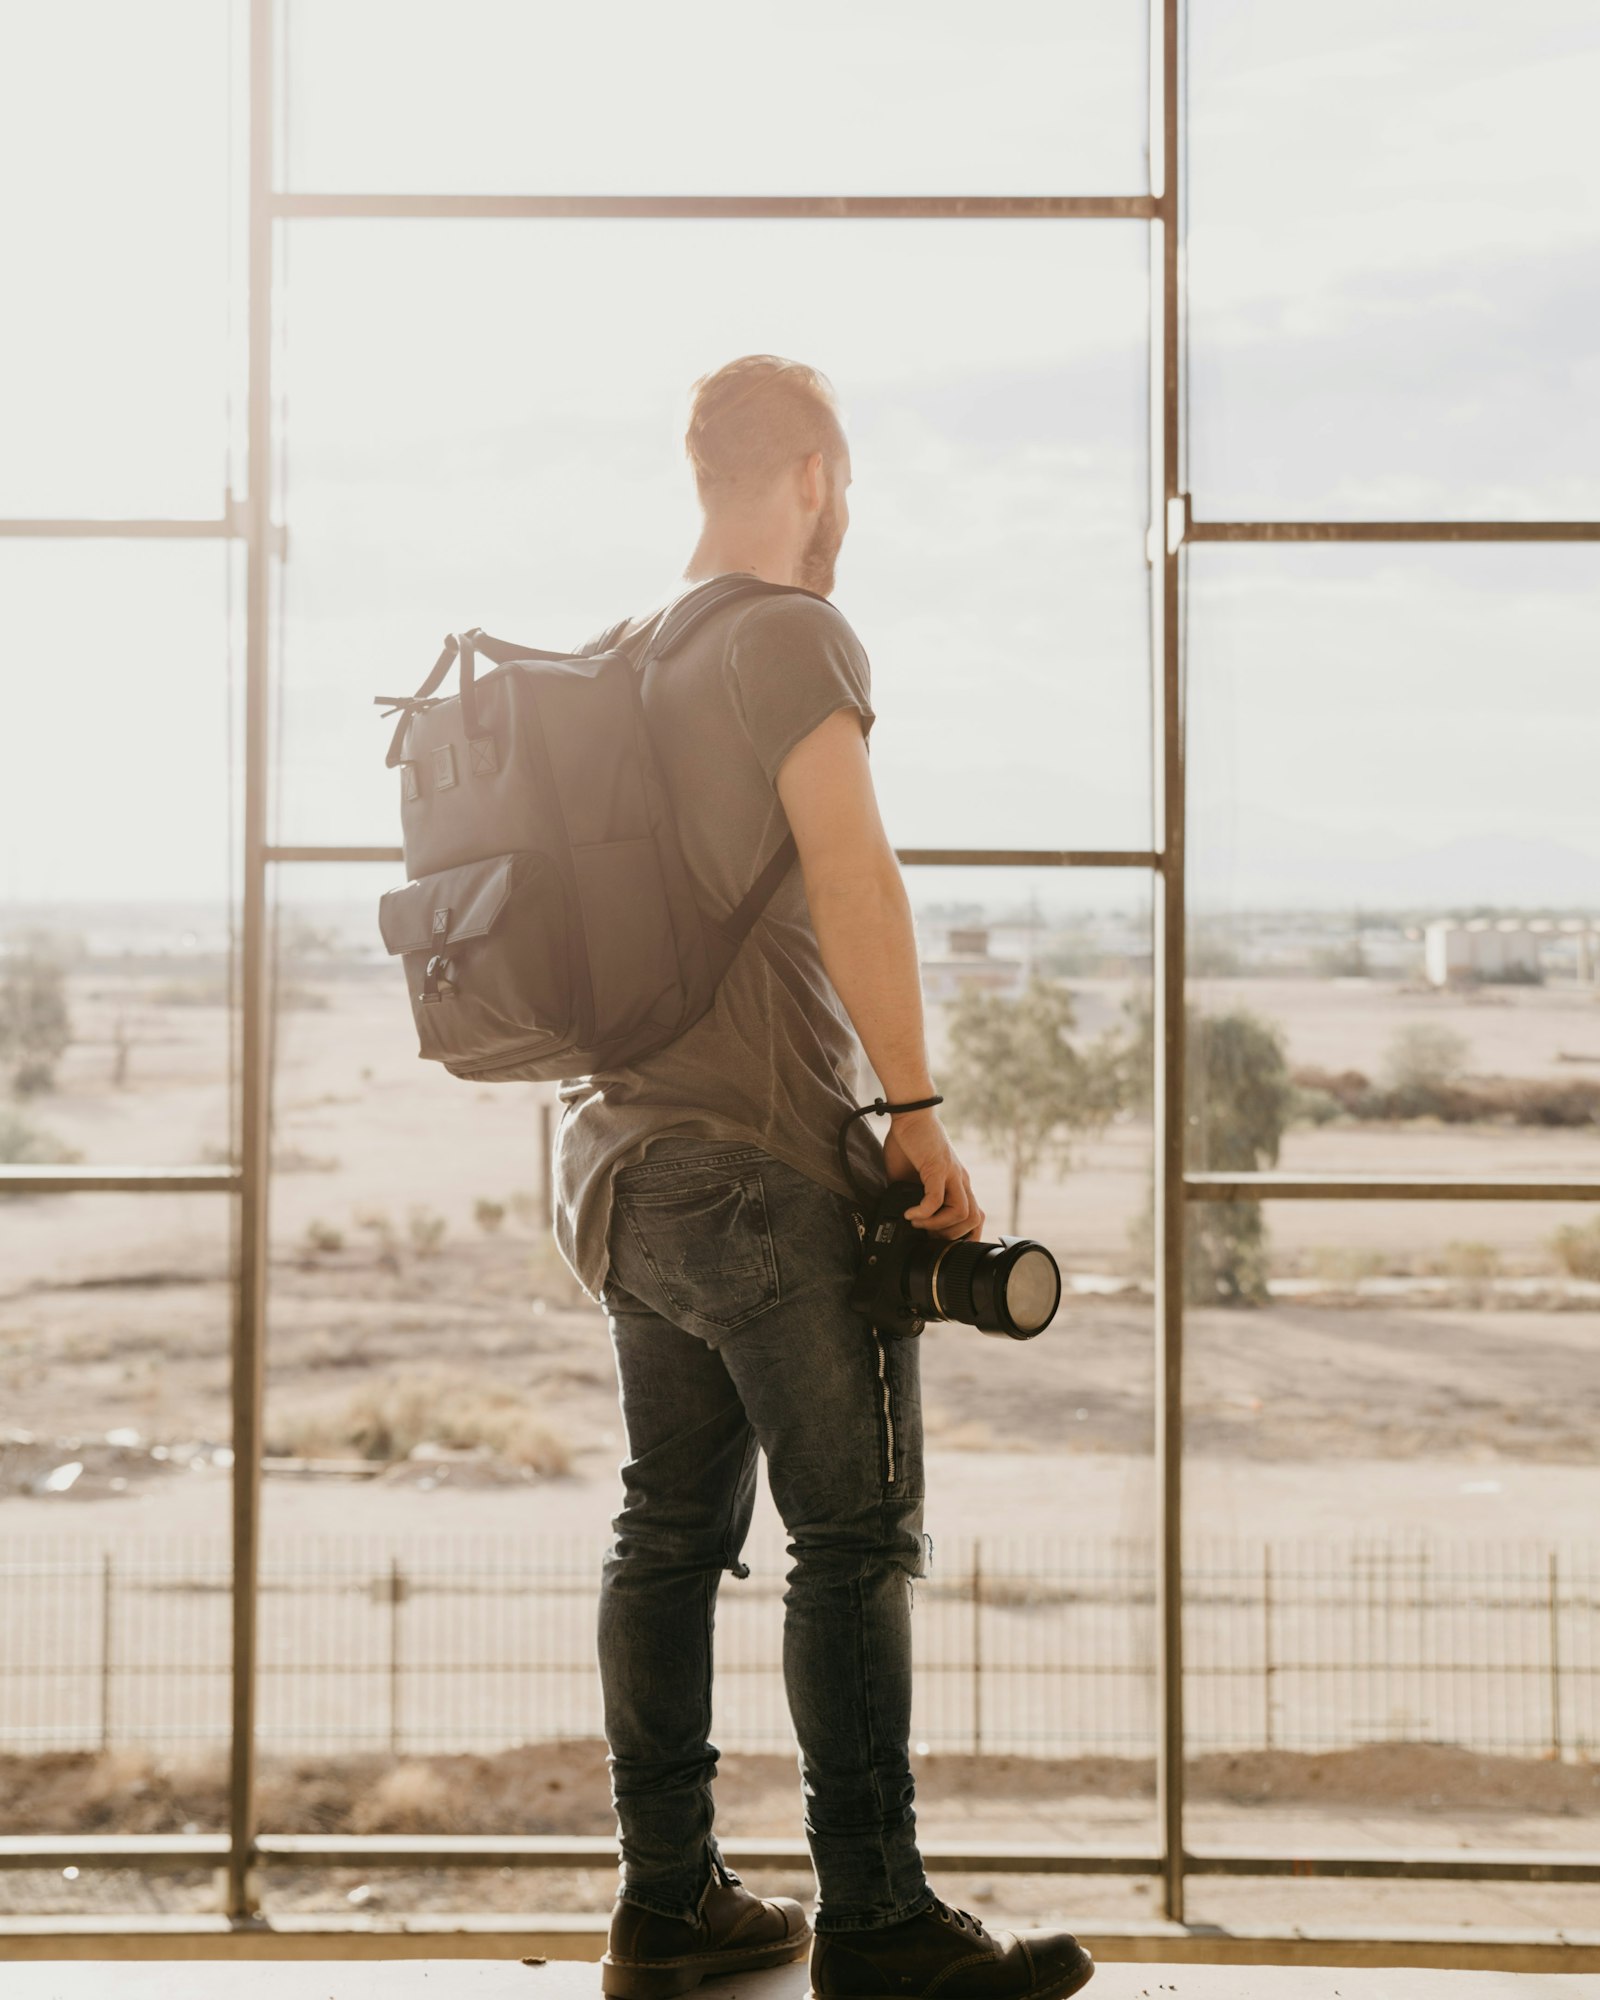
437	980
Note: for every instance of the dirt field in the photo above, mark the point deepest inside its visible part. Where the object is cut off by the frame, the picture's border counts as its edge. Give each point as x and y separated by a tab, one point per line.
363	1127
1394	1797
1444	1407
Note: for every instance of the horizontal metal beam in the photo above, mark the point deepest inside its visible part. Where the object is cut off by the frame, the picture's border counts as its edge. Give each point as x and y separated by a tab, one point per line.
1028	857
1443	1864
296	855
164	1852
118	1180
1380	1187
223	529
911	857
1392	531
153	1853
339	1936
600	1851
719	207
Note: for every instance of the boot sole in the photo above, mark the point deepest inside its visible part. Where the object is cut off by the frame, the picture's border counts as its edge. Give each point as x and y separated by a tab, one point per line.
661	1978
1072	1982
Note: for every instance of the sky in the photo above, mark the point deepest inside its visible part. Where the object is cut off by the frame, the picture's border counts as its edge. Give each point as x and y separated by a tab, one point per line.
1393	311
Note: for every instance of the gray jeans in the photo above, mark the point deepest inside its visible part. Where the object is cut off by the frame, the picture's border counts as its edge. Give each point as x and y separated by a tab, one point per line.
727	1304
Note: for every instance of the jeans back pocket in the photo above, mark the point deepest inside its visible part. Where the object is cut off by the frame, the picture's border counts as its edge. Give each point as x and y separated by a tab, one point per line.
704	1232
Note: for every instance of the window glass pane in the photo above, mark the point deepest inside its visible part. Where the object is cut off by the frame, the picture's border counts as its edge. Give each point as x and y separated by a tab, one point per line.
115	859
904	96
471	444
430	1353
1391	1580
1394	225
114	345
1393	852
115	1497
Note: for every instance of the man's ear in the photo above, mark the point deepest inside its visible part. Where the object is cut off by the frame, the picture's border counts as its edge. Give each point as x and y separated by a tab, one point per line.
813	484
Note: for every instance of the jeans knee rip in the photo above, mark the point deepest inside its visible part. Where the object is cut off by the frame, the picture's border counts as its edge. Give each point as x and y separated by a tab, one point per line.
924	1565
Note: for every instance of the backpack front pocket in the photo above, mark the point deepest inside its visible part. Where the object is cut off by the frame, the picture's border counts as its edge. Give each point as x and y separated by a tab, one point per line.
485	952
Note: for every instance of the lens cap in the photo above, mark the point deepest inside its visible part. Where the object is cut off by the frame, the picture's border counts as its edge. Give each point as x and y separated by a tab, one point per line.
1032	1289
1016	1288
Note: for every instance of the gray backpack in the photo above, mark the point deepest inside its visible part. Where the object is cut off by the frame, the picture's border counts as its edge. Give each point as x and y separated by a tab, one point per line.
550	927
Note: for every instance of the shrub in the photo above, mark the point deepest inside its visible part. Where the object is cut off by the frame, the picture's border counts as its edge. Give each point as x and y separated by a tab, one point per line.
388	1419
376	1221
323	1237
35	1024
25	1145
1470	1260
1577	1248
291	1160
488	1215
1314	1107
425	1231
1507	1100
527	1211
1345	1264
1425	1056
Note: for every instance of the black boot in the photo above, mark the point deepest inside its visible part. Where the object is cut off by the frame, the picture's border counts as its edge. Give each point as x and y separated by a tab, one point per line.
949	1951
652	1957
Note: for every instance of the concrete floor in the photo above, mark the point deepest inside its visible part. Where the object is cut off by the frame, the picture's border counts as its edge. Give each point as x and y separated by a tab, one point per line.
467	1979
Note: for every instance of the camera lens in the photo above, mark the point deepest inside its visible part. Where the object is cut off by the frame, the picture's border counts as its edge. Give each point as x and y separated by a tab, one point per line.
1028	1285
1011	1288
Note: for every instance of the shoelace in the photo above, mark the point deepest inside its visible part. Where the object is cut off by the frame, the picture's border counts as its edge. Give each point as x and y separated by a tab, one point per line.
963	1920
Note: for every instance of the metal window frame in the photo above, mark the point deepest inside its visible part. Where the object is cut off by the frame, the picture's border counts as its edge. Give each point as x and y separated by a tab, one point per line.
244	1850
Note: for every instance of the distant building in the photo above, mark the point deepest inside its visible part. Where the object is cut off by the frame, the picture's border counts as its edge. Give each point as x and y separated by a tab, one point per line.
1484	948
966	960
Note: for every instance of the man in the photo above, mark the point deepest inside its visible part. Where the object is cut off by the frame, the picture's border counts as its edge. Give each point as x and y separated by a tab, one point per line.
701	1201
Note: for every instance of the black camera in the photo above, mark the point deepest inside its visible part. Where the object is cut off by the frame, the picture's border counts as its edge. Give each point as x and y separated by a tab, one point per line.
908	1276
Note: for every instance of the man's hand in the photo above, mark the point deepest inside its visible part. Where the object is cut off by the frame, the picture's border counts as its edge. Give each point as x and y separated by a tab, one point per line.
917	1149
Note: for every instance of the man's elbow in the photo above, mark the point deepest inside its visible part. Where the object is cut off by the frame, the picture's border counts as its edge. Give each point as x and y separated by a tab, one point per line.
866	874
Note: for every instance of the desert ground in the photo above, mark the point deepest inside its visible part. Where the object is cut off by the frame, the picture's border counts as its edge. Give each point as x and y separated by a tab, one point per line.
1397	1388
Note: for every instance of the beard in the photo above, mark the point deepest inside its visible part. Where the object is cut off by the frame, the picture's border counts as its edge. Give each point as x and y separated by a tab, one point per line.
820	555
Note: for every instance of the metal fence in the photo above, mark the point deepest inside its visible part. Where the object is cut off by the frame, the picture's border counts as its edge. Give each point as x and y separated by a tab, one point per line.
1031	1646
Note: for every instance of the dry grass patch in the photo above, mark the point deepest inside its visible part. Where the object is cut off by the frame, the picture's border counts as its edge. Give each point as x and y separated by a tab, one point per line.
390	1417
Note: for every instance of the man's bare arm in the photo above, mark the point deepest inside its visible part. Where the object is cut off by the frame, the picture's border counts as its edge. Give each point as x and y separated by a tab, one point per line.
862	918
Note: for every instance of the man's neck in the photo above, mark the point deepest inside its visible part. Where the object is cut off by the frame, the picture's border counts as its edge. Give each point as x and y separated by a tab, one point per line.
721	558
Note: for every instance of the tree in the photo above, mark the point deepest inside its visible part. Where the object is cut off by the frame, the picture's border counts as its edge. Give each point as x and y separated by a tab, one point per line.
1425	1056
1239	1100
35	1026
1013	1076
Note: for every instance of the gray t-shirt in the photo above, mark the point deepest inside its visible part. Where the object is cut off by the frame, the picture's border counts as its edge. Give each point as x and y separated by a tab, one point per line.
774	1062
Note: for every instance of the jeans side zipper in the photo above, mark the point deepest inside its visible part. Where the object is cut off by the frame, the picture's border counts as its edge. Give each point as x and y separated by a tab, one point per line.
888	1414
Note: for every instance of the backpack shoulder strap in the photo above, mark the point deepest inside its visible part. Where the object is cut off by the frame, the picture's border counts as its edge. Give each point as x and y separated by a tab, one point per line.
736	925
688	612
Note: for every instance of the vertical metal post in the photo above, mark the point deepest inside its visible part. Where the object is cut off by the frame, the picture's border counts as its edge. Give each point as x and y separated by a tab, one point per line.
255	995
107	1644
1268	1666
1168	508
547	1172
397	1590
977	1648
1555	1657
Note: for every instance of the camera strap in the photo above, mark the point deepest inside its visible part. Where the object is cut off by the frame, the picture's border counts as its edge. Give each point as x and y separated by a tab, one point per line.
875	1108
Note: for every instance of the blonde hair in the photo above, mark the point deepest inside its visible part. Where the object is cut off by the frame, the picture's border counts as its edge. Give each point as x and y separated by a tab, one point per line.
753	417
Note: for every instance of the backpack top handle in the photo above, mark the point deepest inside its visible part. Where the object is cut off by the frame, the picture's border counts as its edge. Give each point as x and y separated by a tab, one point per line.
684	616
